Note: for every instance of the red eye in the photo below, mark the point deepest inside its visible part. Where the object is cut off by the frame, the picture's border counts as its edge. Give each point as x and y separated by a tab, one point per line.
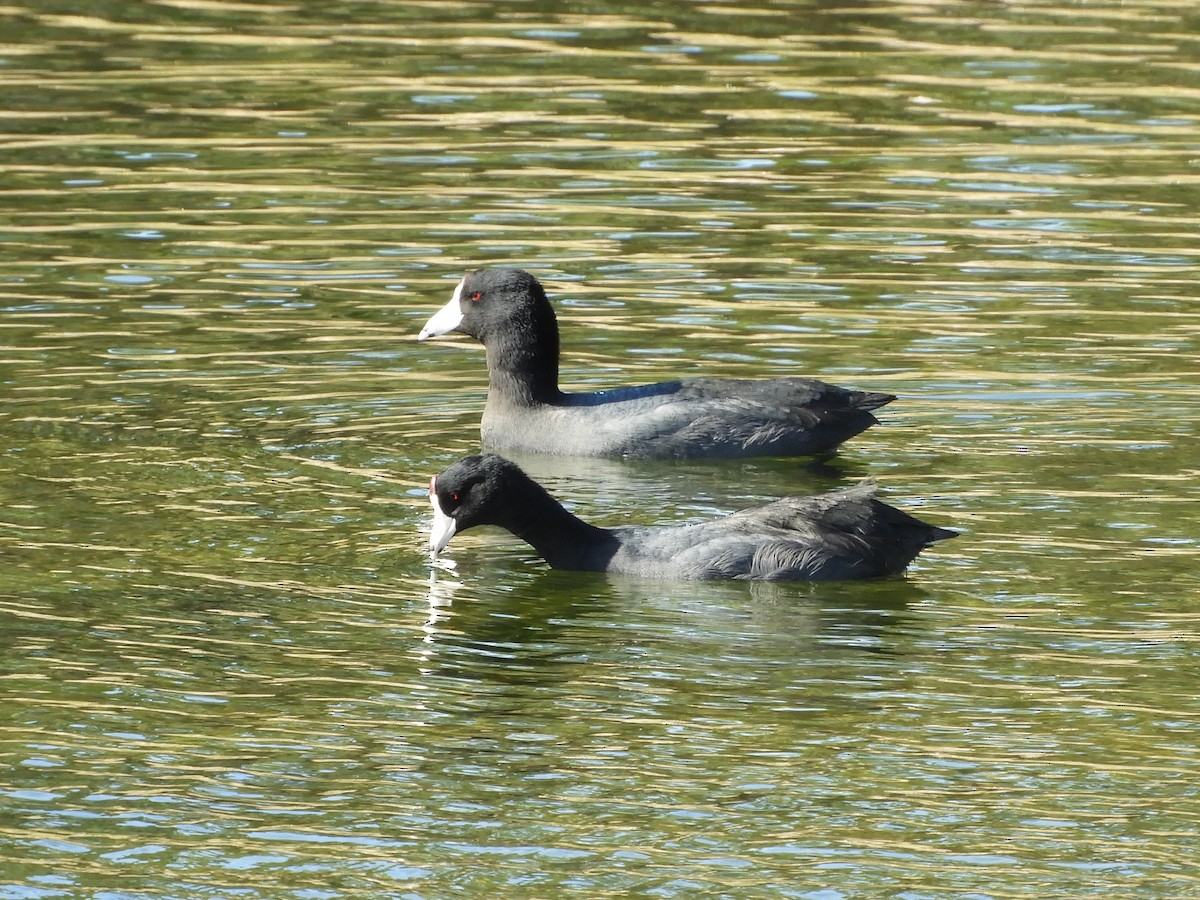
477	295
454	497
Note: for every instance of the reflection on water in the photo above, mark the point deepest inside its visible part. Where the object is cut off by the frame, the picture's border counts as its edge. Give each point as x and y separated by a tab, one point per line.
227	663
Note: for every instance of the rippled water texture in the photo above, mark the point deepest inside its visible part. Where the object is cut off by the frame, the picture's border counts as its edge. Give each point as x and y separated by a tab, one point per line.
227	668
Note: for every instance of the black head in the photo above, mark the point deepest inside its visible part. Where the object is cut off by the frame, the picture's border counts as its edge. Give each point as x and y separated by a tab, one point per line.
497	304
507	310
476	490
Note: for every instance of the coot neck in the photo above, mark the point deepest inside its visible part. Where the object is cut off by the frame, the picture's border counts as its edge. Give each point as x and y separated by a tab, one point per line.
562	539
525	372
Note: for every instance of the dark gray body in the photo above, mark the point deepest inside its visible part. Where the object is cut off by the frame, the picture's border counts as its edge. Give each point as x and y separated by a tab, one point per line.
845	534
698	418
526	412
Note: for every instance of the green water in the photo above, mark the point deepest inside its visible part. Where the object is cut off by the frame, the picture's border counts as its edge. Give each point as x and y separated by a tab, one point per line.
227	669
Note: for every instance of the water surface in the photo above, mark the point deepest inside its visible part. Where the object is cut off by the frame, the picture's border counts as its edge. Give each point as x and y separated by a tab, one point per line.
227	666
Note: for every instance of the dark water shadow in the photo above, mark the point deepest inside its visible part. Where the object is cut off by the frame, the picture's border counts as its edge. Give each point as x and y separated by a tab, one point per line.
656	485
547	626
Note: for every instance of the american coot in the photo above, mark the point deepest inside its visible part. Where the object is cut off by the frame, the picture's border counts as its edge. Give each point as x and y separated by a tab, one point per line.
526	412
843	534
